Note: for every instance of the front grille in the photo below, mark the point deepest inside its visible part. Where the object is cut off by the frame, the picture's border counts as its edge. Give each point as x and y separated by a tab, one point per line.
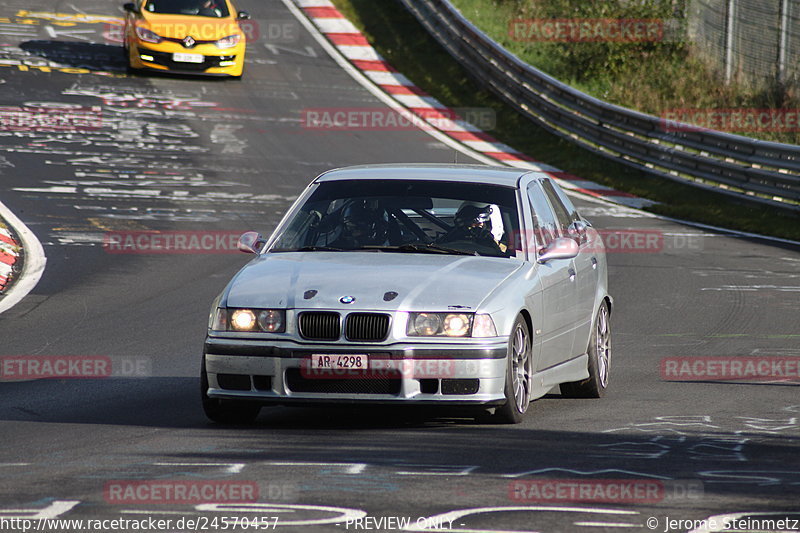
367	327
429	386
386	384
319	326
233	381
460	386
262	383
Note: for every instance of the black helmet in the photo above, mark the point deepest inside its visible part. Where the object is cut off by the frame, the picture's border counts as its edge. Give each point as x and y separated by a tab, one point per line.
474	220
364	224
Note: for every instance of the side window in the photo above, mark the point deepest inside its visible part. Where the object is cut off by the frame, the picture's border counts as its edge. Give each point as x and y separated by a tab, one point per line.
573	213
563	216
545	226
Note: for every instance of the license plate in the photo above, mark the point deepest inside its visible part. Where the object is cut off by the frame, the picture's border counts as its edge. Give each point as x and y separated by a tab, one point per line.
188	58
347	361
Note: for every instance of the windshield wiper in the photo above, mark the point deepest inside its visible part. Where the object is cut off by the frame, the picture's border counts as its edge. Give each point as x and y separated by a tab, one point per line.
431	248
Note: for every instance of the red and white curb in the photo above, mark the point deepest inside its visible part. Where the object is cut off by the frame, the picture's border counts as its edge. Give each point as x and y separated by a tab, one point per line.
352	44
9	254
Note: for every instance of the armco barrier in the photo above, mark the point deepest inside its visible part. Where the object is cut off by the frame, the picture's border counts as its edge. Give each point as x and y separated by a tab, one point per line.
748	168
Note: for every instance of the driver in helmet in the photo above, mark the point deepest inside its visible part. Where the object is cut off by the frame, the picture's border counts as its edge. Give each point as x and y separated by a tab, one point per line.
473	224
361	225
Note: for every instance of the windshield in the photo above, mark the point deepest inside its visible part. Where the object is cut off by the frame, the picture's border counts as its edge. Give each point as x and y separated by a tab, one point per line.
203	8
405	216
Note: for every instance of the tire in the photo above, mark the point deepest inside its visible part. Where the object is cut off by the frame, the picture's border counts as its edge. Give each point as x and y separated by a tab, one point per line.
225	411
518	376
599	360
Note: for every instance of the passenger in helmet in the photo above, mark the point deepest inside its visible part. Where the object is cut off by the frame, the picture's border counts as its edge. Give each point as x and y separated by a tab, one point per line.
361	225
473	224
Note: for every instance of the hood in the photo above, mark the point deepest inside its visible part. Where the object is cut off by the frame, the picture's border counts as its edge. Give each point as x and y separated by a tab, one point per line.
199	28
422	282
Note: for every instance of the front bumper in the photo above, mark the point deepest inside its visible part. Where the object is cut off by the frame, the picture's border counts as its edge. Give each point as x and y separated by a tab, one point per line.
216	62
419	373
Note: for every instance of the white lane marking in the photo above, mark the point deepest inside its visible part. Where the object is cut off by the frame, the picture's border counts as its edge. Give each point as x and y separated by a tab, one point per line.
75	34
762	478
32	267
54	510
451	516
350	468
584	472
753	288
14	464
343	514
231	468
438	470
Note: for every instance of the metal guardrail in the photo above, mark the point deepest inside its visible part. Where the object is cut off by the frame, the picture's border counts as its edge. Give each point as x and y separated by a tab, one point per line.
748	168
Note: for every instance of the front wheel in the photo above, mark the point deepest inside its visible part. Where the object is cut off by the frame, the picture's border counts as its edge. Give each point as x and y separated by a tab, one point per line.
225	411
518	376
599	361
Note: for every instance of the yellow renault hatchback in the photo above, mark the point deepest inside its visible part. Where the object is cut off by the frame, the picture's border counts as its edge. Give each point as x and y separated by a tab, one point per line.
185	36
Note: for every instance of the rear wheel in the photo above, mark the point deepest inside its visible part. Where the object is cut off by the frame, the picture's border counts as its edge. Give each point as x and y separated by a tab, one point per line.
518	376
225	411
599	361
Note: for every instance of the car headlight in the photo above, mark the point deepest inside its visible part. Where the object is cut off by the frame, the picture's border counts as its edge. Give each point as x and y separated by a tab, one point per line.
256	320
229	42
439	325
147	35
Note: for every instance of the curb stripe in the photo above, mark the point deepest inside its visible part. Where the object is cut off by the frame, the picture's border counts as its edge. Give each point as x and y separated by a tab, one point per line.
347	39
368	64
323	12
403	89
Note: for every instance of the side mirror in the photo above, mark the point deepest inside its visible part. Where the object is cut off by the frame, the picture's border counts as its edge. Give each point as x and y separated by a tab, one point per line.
561	248
251	242
577	230
130	7
243	15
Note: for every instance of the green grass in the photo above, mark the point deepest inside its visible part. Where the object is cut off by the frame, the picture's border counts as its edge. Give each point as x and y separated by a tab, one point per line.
407	46
652	77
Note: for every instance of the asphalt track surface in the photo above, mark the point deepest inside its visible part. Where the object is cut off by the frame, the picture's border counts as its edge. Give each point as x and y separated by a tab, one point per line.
182	154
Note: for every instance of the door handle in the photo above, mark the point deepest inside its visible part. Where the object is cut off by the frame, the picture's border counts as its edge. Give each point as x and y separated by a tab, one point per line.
594	263
571	272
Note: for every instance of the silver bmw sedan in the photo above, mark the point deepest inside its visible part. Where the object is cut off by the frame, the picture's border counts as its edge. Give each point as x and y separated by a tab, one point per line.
448	284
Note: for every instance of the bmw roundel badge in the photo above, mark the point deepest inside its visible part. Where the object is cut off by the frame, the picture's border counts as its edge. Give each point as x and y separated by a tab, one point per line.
347	299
